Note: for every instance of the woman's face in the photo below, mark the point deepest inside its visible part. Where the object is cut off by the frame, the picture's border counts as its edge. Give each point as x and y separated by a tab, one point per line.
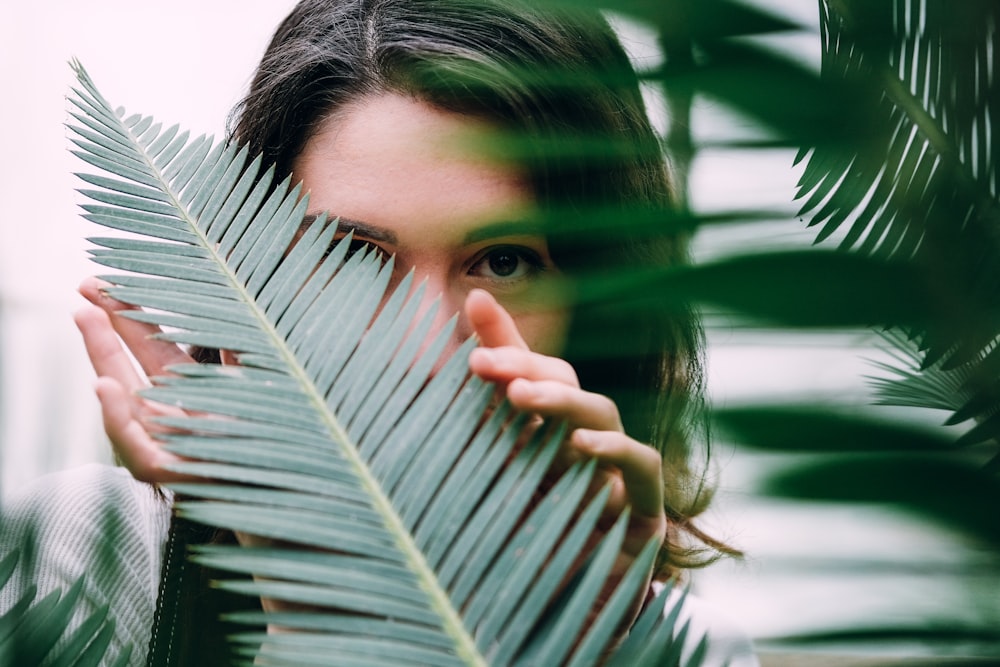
393	169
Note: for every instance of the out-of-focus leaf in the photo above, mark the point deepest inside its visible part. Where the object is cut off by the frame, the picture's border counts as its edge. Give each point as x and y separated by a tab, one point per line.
785	96
955	493
813	428
790	288
925	634
703	19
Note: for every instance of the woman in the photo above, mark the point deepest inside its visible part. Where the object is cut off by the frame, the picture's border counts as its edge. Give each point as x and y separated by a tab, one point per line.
363	101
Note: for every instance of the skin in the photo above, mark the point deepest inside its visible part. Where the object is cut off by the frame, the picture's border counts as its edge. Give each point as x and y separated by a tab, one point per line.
390	168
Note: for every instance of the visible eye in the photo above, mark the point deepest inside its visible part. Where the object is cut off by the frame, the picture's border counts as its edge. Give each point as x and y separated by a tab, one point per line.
508	263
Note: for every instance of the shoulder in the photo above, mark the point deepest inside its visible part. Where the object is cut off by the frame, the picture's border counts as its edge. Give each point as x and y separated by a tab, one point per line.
80	510
726	643
92	486
94	522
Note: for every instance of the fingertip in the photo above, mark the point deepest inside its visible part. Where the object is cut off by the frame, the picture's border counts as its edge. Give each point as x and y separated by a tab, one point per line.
108	390
522	393
603	445
480	360
619	449
81	318
479	305
494	326
585	440
94	290
85	285
87	316
479	295
90	288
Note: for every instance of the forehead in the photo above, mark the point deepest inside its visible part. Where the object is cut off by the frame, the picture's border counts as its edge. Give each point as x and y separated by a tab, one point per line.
397	162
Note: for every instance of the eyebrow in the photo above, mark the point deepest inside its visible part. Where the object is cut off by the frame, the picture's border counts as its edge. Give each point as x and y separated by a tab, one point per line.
363	229
504	228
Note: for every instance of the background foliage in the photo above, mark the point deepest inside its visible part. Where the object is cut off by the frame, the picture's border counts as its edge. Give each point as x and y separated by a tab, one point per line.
898	137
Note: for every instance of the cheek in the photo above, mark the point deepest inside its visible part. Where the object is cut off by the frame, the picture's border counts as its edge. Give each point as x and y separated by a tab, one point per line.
544	331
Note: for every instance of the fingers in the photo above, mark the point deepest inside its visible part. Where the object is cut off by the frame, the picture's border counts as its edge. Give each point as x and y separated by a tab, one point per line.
138	451
124	412
639	466
494	325
104	348
503	364
549	387
153	355
504	355
581	409
634	469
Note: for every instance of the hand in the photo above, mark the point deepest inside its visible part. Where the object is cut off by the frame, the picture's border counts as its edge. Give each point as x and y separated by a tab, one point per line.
535	383
549	387
126	415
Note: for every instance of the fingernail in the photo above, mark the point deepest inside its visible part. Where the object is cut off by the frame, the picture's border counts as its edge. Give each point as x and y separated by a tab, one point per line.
482	294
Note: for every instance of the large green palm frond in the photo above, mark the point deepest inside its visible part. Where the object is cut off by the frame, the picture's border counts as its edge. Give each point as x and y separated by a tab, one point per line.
399	502
924	145
919	181
33	632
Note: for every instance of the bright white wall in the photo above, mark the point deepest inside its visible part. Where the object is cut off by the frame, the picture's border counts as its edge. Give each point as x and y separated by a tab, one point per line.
186	61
